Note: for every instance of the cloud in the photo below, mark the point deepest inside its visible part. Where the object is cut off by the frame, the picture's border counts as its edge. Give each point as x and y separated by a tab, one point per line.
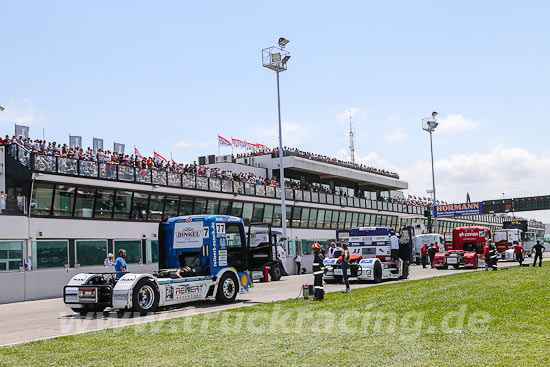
370	160
20	111
455	124
394	118
396	136
192	144
514	171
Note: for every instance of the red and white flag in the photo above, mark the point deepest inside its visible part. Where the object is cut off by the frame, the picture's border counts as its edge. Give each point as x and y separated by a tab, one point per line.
239	143
224	142
262	147
174	162
137	153
159	158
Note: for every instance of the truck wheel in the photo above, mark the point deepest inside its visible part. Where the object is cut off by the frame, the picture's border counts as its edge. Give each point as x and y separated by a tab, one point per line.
227	288
456	266
275	272
145	297
377	272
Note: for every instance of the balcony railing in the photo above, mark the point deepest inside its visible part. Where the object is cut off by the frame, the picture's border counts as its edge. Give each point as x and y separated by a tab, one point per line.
115	172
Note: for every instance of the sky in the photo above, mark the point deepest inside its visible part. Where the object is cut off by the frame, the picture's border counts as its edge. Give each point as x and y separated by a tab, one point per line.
170	76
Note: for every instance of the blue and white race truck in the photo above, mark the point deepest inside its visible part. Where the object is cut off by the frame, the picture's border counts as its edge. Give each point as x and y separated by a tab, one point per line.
200	257
370	257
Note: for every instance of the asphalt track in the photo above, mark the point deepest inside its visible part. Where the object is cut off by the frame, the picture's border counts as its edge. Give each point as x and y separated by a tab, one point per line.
34	320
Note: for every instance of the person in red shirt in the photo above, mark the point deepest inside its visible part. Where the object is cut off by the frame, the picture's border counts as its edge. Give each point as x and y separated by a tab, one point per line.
436	247
424	255
518	251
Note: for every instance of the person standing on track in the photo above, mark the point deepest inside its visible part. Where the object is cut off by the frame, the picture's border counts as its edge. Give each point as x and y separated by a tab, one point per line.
486	252
298	261
318	270
424	255
538	248
120	264
518	252
345	266
394	247
431	252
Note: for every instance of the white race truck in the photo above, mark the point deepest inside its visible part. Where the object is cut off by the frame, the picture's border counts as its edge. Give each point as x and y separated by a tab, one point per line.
504	240
200	257
370	255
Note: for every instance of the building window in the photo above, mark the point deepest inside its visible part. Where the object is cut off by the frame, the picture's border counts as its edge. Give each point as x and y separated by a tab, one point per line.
225	207
50	254
237	208
186	206
312	218
11	255
213	206
247	212
153	251
304	221
328	219
123	204
268	213
296	215
258	213
354	219
84	204
104	204
334	221
361	220
171	206
63	201
91	252
277	216
348	220
156	207
133	250
200	206
139	206
320	218
42	199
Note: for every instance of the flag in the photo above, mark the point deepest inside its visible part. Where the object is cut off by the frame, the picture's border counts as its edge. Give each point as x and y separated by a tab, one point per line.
262	147
224	142
160	159
137	153
239	143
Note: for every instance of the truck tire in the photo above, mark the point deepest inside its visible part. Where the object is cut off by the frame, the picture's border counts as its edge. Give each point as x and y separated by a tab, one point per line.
456	266
476	262
145	297
275	272
228	287
377	272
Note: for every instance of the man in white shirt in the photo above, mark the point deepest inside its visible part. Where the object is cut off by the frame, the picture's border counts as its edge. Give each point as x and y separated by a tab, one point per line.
394	247
3	198
109	261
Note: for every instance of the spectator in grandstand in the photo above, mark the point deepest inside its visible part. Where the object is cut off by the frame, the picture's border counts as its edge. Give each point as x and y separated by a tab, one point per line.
120	263
109	261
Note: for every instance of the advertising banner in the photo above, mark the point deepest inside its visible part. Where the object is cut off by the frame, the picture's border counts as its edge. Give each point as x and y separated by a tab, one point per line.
188	234
457	210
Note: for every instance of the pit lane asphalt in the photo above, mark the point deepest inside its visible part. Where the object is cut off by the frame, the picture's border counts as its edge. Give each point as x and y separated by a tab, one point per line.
35	320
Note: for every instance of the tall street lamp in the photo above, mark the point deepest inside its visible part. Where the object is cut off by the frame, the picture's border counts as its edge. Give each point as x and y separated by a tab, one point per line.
276	58
429	124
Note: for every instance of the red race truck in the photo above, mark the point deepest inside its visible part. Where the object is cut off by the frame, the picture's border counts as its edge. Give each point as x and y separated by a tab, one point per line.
466	248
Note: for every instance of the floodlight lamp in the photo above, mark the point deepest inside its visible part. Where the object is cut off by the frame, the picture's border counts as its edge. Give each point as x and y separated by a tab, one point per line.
434	114
283	42
276	58
2	108
285	59
432	124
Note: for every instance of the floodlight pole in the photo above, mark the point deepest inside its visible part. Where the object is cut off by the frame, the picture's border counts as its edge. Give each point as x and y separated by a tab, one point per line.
279	65
429	125
433	181
281	165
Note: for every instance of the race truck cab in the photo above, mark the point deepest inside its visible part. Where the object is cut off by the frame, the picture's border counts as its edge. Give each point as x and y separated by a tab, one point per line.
200	257
370	257
266	251
466	249
504	240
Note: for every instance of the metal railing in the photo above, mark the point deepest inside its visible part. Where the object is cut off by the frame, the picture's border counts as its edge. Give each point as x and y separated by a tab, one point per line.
115	172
